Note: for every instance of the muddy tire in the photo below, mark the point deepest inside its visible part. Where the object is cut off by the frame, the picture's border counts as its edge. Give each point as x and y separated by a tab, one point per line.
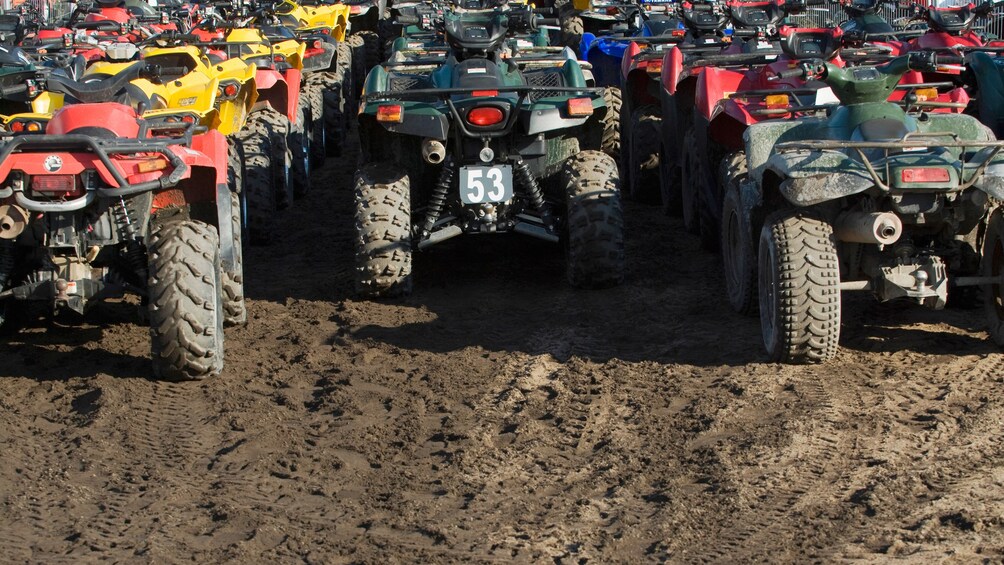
643	156
799	288
572	28
278	127
299	149
383	231
365	54
345	75
186	308
738	256
595	222
259	196
992	265
234	310
610	142
335	121
313	92
690	206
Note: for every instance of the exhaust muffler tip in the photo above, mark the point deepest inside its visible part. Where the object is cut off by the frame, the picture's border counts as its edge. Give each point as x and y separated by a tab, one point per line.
881	228
433	151
13	220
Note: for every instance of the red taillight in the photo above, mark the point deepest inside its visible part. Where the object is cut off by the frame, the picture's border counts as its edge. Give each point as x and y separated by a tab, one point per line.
925	175
390	113
278	58
67	184
318	44
17	127
485	93
611	10
230	90
355	9
325	31
485	116
580	107
679	32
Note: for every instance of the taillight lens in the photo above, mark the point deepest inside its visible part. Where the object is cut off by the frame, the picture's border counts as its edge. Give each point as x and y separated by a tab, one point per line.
485	93
56	185
485	116
393	113
925	175
580	107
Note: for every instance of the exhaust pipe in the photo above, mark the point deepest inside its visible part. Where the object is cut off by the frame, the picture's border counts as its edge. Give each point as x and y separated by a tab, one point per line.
13	219
433	151
883	228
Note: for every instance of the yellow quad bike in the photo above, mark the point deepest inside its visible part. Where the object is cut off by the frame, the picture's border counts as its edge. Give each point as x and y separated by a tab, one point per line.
331	67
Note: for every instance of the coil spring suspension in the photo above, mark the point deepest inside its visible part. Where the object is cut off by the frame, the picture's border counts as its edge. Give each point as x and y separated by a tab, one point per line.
526	179
438	199
133	252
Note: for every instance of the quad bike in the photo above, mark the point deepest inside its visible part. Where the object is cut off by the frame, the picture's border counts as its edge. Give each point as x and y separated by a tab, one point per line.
595	17
708	31
326	64
876	196
104	203
652	24
477	146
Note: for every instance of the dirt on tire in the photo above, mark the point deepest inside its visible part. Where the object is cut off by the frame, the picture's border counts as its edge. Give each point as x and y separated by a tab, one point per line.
498	415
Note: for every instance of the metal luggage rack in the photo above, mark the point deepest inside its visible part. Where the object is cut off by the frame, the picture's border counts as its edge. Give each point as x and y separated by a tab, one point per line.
913	140
796	93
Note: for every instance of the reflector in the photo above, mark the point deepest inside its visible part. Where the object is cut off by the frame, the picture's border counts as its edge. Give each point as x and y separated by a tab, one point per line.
925	175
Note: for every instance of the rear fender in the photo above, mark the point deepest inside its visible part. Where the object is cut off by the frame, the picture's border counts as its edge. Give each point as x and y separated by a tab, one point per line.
627	59
275	92
672	68
814	177
713	85
639	89
728	124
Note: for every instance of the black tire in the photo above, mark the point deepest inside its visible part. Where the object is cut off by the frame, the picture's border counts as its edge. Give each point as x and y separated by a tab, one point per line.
282	158
643	155
365	54
299	149
234	310
313	91
610	143
186	308
383	231
572	28
799	288
258	193
335	120
992	265
690	205
738	254
595	221
345	76
669	184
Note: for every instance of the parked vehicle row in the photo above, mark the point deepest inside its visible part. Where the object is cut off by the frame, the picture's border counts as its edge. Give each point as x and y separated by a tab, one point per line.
143	147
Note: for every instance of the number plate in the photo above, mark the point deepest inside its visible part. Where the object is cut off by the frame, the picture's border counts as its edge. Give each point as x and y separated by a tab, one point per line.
485	184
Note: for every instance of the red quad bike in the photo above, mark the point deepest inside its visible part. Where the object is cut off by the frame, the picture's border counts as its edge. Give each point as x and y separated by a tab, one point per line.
705	24
105	202
641	115
719	75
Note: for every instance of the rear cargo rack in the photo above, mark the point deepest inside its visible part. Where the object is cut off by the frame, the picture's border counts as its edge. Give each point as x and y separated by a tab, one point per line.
912	140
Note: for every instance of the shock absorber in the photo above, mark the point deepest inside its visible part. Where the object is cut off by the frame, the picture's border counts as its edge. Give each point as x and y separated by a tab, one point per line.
526	179
133	252
437	201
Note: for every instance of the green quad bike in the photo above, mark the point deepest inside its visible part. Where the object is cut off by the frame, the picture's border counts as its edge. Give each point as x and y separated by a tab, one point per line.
876	196
478	144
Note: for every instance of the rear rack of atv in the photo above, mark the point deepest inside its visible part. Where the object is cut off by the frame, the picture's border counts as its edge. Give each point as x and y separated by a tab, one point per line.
446	94
103	149
914	140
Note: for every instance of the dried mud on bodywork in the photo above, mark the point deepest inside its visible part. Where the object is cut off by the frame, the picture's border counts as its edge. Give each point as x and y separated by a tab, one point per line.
497	415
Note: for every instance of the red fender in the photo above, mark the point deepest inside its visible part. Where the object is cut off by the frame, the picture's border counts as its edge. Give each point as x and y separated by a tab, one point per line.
934	40
119	15
713	85
212	146
112	116
672	68
627	61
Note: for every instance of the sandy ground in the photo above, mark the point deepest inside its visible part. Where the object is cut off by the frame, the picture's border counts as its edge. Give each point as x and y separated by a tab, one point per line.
497	416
